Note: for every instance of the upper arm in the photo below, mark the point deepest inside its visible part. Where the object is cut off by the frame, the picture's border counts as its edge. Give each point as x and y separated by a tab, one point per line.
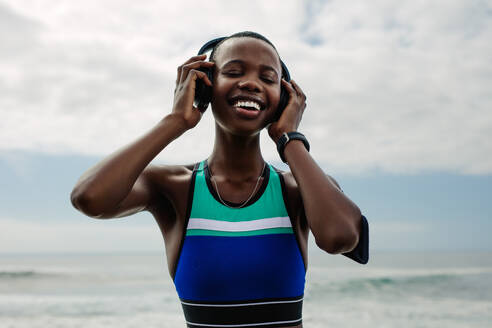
360	253
143	196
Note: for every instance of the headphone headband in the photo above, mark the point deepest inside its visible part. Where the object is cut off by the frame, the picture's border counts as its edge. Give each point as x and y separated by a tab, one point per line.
210	45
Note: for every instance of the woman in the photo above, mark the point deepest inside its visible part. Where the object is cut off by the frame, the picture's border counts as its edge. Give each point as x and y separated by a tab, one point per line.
235	228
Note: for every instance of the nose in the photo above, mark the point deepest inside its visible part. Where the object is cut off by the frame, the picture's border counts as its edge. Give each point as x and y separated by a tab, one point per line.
250	85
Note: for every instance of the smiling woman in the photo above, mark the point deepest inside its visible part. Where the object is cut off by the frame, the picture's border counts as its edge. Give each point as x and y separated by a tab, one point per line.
234	226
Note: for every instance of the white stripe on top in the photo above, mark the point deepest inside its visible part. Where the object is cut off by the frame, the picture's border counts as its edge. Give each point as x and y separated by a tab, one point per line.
242	304
208	224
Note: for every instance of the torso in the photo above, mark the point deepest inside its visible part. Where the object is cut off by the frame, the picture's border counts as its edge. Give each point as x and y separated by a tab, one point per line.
174	182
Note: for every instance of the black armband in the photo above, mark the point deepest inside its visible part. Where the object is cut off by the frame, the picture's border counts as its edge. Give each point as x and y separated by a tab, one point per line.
360	253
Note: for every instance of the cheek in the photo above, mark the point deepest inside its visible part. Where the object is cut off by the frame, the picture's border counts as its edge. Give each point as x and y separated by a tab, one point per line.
220	90
275	95
219	86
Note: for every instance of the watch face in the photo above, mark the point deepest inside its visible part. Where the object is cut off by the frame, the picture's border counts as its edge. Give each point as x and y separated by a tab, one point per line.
285	138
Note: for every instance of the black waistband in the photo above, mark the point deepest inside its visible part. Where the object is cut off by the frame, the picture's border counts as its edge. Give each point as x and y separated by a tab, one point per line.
268	313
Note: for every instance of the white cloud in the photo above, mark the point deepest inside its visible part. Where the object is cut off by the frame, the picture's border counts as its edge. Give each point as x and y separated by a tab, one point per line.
395	86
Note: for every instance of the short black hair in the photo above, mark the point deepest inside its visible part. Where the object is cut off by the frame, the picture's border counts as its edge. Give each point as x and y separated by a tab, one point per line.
244	34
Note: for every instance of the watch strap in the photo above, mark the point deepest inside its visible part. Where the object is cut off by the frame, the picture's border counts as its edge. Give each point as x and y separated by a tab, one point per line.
285	138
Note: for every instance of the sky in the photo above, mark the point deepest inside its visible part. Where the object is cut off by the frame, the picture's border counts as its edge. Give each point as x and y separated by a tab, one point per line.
399	109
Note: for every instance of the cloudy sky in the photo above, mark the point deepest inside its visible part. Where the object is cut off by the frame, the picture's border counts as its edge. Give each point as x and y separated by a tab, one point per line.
399	109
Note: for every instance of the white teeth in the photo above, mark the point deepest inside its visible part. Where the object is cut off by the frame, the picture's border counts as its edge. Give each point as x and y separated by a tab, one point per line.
251	104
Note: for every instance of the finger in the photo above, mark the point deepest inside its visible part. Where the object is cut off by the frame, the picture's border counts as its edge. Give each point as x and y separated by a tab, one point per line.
194	74
294	85
180	67
195	58
178	75
196	64
298	89
289	87
186	68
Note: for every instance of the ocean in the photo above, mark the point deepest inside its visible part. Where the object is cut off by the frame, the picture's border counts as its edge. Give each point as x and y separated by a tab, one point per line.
395	289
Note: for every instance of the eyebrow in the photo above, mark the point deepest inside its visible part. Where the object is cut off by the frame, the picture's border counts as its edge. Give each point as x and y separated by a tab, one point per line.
239	61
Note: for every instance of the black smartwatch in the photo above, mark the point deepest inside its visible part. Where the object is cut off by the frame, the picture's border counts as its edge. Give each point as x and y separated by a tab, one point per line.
285	138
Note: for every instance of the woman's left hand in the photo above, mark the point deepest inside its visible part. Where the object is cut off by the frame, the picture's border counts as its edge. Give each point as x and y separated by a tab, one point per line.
292	114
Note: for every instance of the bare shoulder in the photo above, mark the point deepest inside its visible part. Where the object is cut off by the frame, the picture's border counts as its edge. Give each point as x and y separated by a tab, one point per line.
289	180
168	187
291	189
168	171
168	177
291	183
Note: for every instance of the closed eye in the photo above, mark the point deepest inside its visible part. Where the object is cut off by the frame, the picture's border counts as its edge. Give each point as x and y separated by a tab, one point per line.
268	80
233	73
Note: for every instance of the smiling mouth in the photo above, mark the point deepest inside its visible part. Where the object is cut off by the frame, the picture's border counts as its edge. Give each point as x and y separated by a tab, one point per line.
248	105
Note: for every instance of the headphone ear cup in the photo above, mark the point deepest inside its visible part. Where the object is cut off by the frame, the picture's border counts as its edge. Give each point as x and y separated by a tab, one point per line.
203	92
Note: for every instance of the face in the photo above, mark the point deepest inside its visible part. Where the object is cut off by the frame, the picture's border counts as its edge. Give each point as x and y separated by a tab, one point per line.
247	75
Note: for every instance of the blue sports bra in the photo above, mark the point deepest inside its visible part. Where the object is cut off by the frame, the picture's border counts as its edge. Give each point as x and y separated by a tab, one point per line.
239	267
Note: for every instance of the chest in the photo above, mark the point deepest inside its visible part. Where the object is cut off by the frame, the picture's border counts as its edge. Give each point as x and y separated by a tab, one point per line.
251	252
283	203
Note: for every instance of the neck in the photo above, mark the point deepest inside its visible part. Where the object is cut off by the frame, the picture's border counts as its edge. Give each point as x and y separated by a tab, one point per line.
236	158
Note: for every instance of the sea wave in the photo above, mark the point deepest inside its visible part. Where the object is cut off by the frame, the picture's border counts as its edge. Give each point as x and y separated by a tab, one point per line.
421	280
469	283
27	274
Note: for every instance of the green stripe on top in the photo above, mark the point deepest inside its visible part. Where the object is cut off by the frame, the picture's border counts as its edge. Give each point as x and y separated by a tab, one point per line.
202	232
270	204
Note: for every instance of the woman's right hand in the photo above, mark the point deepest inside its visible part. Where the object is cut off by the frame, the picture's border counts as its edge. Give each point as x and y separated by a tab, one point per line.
184	94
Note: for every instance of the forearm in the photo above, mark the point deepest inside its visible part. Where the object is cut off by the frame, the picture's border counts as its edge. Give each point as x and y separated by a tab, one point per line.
333	218
108	182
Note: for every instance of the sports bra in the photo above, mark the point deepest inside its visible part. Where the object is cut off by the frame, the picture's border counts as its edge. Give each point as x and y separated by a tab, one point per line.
239	267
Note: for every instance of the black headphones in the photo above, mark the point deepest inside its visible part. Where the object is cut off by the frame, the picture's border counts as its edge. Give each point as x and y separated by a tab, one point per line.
203	93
